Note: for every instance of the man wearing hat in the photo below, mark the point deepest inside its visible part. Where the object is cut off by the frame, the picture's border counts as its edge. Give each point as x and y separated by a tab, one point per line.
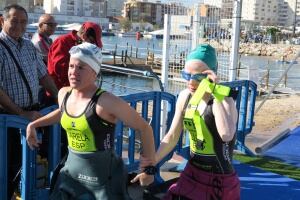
206	110
58	57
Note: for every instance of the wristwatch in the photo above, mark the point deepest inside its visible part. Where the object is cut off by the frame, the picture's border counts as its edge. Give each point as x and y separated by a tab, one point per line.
150	170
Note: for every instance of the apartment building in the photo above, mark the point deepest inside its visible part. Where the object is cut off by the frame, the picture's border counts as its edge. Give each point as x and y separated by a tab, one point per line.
285	13
174	9
138	11
225	7
27	4
152	12
289	13
87	8
114	8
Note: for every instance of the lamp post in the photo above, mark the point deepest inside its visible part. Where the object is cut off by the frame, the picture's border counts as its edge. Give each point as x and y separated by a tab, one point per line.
154	75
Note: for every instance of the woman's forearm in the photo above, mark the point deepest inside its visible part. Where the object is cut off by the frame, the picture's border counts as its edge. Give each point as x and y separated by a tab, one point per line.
170	139
226	117
166	146
49	119
148	146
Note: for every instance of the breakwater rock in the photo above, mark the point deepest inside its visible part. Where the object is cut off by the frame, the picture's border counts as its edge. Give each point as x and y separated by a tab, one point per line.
276	51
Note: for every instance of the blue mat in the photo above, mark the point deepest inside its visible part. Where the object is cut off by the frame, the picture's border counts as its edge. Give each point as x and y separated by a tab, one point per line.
287	150
257	184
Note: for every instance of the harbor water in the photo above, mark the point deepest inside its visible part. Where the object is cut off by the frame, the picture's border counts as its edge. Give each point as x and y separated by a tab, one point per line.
127	84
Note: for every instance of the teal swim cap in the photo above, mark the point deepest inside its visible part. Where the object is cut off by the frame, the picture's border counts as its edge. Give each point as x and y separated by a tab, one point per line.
206	54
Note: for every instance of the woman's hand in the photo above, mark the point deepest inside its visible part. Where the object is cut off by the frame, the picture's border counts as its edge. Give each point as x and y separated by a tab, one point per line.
143	178
211	75
144	162
31	137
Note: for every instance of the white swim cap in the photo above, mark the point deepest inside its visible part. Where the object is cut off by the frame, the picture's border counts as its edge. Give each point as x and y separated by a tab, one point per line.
89	54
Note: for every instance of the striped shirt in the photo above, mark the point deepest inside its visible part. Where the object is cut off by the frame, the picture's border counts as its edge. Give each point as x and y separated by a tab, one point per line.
11	81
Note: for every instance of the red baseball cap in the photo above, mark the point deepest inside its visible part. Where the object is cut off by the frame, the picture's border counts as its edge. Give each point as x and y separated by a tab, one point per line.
97	29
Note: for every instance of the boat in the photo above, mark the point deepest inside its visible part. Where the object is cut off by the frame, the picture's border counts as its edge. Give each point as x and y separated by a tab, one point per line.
127	34
60	29
158	34
107	33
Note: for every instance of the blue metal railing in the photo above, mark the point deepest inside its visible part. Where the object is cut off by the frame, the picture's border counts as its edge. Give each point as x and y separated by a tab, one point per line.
149	105
28	175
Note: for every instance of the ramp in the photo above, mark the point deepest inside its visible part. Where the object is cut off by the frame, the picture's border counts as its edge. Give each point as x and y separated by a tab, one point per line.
288	149
257	184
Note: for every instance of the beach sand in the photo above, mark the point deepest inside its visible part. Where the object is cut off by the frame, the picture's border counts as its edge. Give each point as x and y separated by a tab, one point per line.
277	114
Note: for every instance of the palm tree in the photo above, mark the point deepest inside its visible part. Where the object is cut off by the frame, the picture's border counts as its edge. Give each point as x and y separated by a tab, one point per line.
271	31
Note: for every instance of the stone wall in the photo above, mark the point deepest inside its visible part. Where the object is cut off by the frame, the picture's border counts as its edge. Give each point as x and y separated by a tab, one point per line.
275	51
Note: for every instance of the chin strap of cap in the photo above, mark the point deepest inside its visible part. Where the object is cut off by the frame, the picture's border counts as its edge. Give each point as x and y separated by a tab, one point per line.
194	123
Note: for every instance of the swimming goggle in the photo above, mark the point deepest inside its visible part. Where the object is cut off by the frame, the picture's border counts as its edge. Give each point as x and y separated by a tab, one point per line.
196	77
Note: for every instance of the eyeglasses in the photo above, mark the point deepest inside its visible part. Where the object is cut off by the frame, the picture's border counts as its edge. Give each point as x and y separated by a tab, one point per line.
51	24
196	77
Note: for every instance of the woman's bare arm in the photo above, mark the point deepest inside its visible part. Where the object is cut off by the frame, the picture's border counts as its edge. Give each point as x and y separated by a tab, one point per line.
226	118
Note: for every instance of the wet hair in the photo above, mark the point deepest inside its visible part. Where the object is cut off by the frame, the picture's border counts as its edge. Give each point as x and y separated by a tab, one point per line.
13	6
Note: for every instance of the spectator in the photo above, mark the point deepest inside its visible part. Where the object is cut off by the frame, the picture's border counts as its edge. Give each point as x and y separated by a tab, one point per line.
22	69
41	39
58	57
88	114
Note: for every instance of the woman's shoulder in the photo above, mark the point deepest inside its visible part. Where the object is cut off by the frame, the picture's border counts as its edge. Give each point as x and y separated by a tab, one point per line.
183	97
106	96
63	91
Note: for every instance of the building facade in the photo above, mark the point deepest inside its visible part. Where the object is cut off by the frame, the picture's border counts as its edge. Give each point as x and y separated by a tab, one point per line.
289	14
285	13
27	4
151	12
114	8
65	11
87	8
143	11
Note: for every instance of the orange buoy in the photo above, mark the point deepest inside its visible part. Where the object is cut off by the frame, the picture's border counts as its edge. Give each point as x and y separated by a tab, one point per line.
138	35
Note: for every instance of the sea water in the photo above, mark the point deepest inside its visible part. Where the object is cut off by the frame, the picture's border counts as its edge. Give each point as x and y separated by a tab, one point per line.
124	84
